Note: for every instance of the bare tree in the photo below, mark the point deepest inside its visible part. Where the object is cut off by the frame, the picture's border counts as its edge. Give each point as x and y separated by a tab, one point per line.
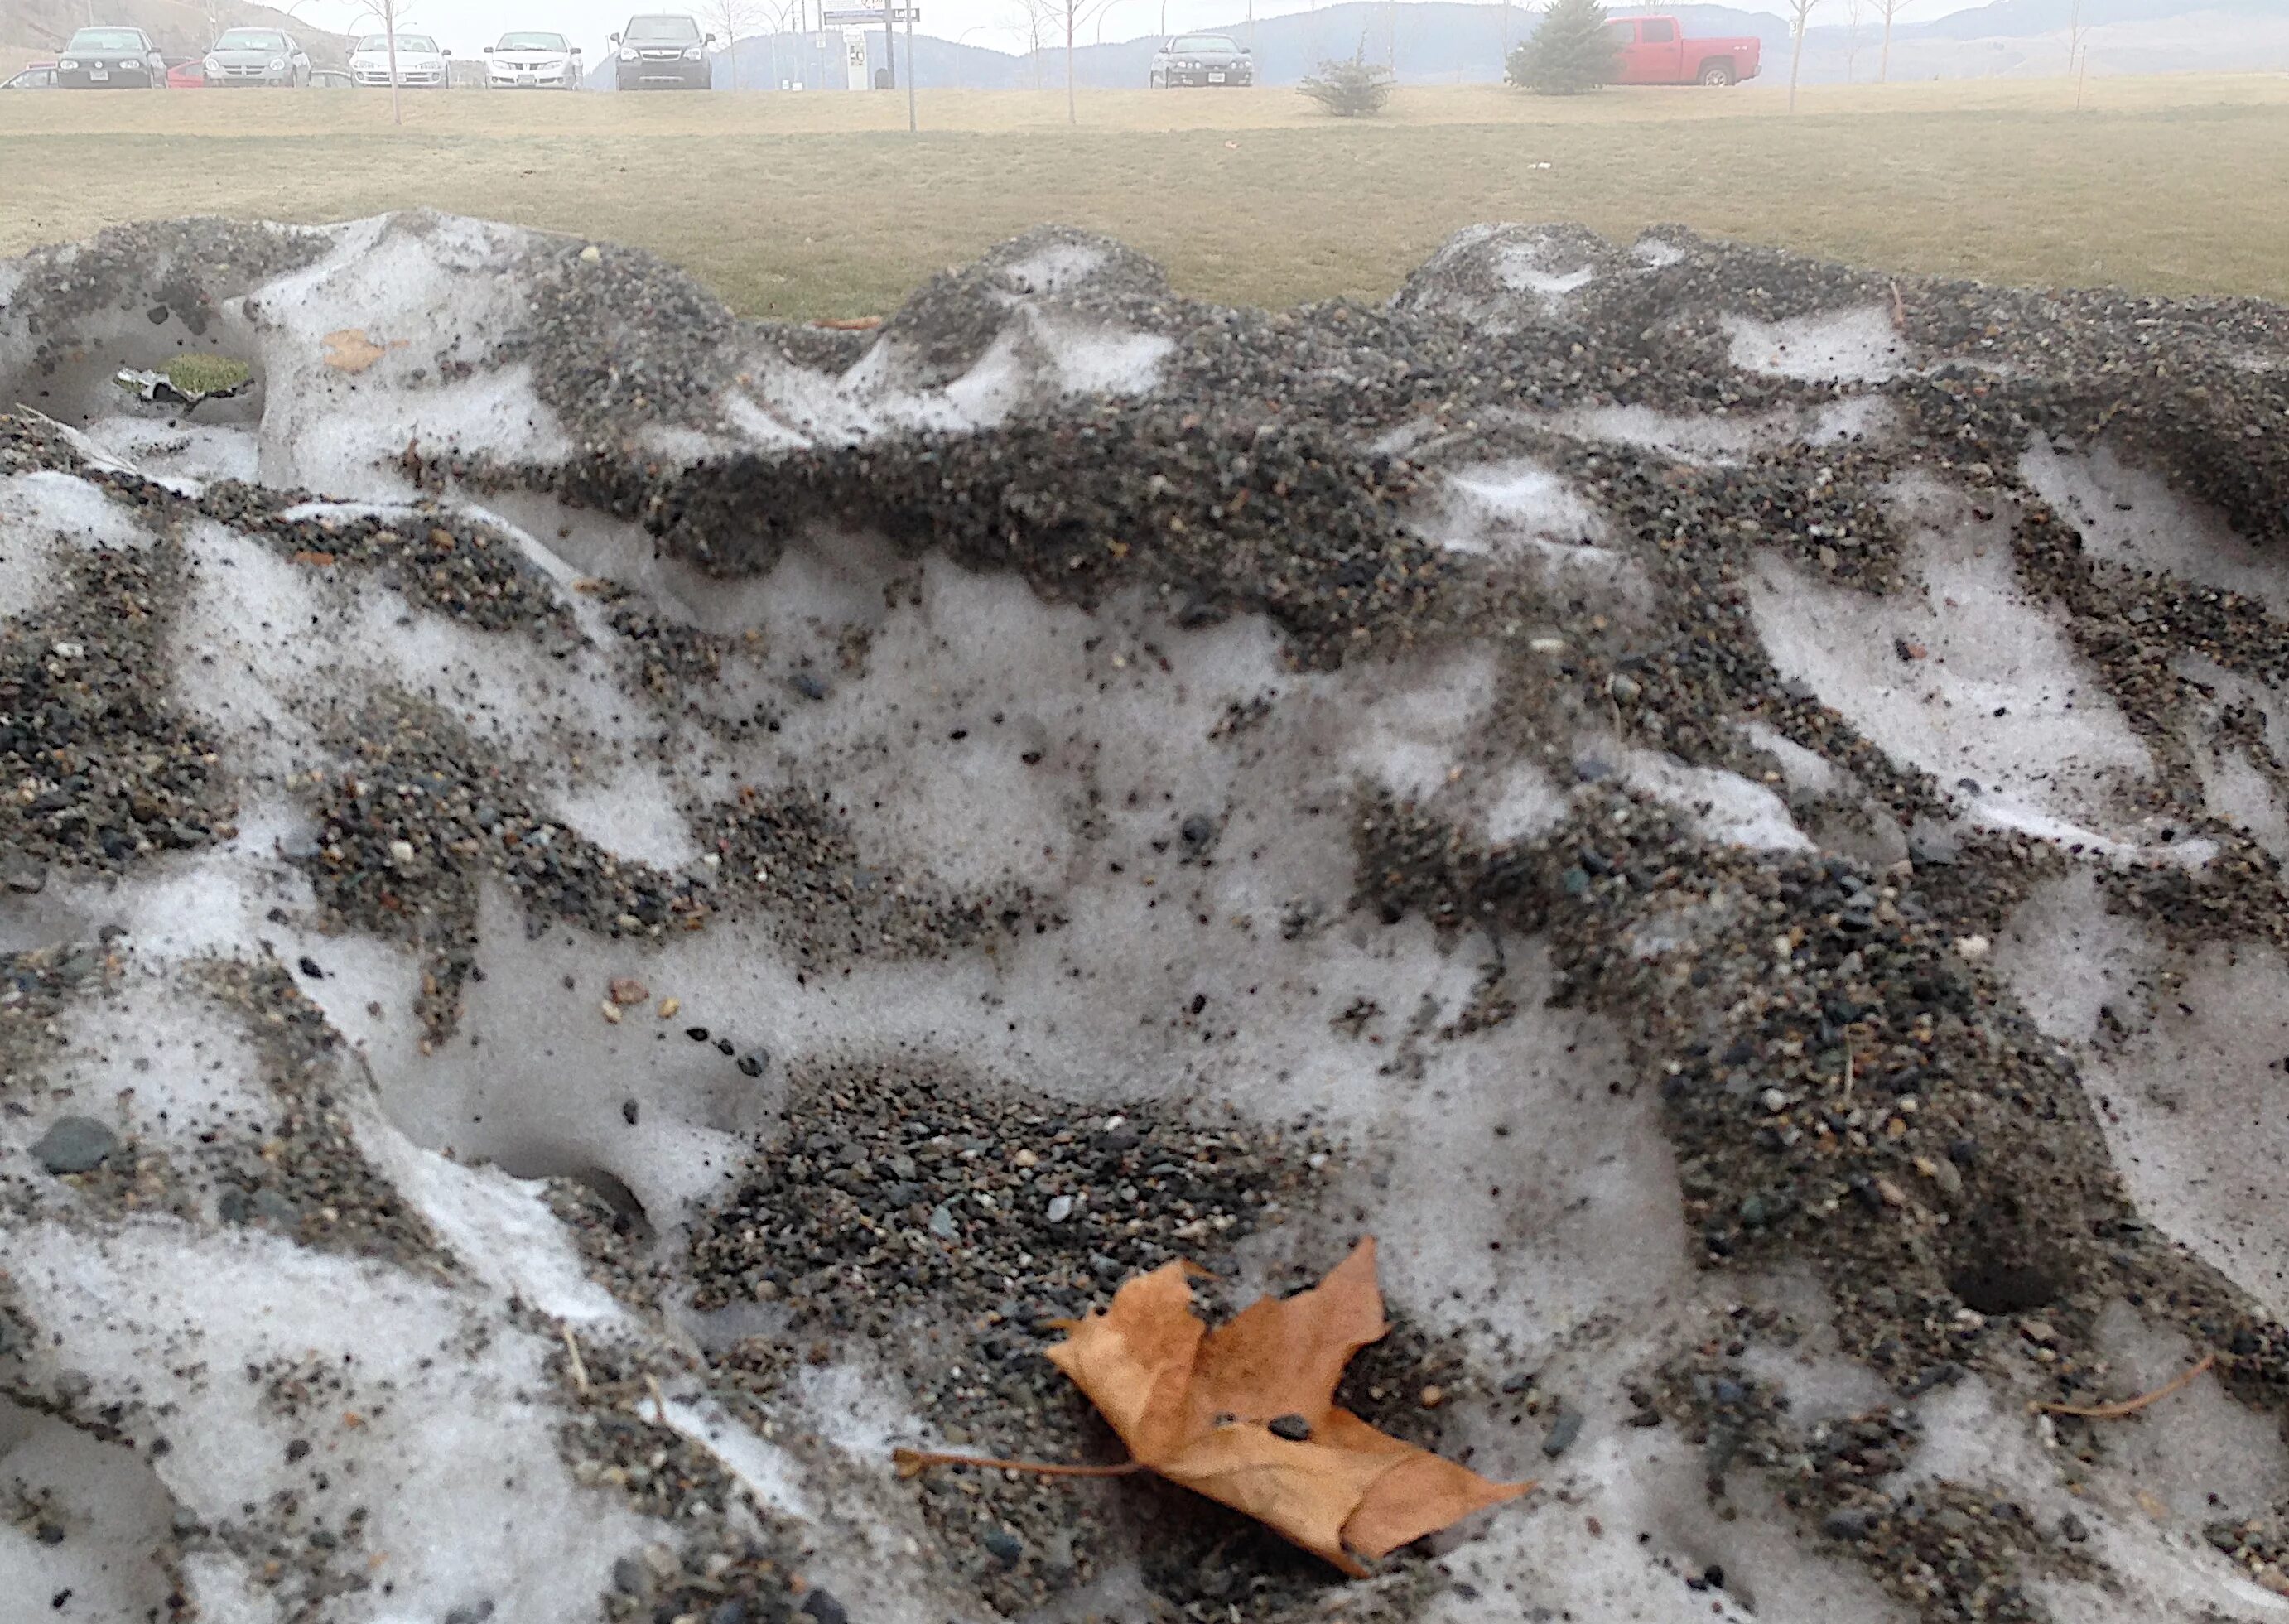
2078	47
730	18
1887	9
391	14
1037	19
1855	13
1071	15
1799	16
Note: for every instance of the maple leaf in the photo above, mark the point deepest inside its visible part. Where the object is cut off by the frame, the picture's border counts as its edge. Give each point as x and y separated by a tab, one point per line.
1246	1414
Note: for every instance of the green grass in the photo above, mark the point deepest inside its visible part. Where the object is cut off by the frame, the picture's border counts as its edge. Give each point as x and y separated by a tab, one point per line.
824	206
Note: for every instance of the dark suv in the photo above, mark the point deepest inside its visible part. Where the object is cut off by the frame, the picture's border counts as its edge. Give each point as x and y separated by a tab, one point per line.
664	53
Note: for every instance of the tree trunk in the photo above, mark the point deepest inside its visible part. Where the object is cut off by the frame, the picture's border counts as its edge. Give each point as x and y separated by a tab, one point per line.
1883	67
389	23
1073	109
1796	63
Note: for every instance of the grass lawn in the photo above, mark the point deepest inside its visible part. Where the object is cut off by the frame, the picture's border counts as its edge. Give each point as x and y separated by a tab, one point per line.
824	205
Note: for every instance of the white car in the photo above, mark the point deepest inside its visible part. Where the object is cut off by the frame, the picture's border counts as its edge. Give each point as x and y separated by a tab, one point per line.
420	61
532	61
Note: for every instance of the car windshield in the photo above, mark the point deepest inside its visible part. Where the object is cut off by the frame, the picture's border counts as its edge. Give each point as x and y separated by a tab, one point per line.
251	39
667	30
1205	42
405	42
531	42
105	39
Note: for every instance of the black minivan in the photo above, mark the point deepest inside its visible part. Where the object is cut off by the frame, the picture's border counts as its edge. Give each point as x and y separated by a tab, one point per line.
664	53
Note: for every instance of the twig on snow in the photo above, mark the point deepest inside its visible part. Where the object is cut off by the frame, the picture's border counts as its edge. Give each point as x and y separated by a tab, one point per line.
914	1462
2131	1406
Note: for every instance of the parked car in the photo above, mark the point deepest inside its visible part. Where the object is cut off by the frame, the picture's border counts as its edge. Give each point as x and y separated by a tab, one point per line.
1202	58
1655	51
38	76
532	61
185	74
257	56
111	58
331	79
662	52
420	61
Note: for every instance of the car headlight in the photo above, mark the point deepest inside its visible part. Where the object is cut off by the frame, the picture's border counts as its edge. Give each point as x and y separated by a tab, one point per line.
627	55
277	64
214	65
68	62
692	54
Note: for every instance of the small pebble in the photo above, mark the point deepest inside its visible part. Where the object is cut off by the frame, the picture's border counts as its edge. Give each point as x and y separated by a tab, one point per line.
1564	1429
76	1144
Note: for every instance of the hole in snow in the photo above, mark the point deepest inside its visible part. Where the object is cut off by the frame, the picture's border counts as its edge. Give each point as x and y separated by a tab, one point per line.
1994	1283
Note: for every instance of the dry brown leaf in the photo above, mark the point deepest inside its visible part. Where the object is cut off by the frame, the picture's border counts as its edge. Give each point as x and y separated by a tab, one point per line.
349	350
853	323
1197	1406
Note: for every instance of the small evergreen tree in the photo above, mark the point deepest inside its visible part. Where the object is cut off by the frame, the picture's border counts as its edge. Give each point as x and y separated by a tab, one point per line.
1350	90
1570	51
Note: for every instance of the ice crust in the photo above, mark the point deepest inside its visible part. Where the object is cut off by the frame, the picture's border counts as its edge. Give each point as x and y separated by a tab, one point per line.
1525	1186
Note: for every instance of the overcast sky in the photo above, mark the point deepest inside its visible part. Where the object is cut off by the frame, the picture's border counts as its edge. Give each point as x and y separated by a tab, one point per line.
467	26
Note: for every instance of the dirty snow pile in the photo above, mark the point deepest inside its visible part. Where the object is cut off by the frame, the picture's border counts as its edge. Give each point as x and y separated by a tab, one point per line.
609	911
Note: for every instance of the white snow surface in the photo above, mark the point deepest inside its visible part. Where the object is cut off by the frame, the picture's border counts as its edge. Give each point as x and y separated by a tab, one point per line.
1517	1174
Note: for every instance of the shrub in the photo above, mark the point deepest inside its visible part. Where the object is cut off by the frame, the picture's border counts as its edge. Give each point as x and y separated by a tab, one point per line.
1569	52
1355	89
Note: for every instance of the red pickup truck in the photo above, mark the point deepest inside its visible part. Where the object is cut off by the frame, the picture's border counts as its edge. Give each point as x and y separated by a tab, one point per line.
1655	50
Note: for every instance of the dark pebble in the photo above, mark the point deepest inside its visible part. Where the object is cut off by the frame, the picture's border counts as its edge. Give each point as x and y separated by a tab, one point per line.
1563	1430
1294	1428
76	1144
475	1612
821	1606
629	1577
1004	1547
733	1611
629	1111
698	1034
726	1046
751	1065
1848	1524
297	1449
806	685
309	968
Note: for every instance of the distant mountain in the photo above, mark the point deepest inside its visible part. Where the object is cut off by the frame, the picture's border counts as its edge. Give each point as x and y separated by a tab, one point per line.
2025	18
1464	42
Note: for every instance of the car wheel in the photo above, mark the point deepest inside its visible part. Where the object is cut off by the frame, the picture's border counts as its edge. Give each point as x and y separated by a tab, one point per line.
1717	74
1159	84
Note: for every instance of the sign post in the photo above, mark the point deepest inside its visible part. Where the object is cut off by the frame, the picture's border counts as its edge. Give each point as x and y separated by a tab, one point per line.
886	17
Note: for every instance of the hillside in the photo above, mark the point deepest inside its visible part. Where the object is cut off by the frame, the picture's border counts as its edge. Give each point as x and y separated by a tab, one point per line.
33	29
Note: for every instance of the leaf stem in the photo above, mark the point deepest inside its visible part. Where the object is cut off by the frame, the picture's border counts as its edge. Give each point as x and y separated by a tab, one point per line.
912	1462
2131	1406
